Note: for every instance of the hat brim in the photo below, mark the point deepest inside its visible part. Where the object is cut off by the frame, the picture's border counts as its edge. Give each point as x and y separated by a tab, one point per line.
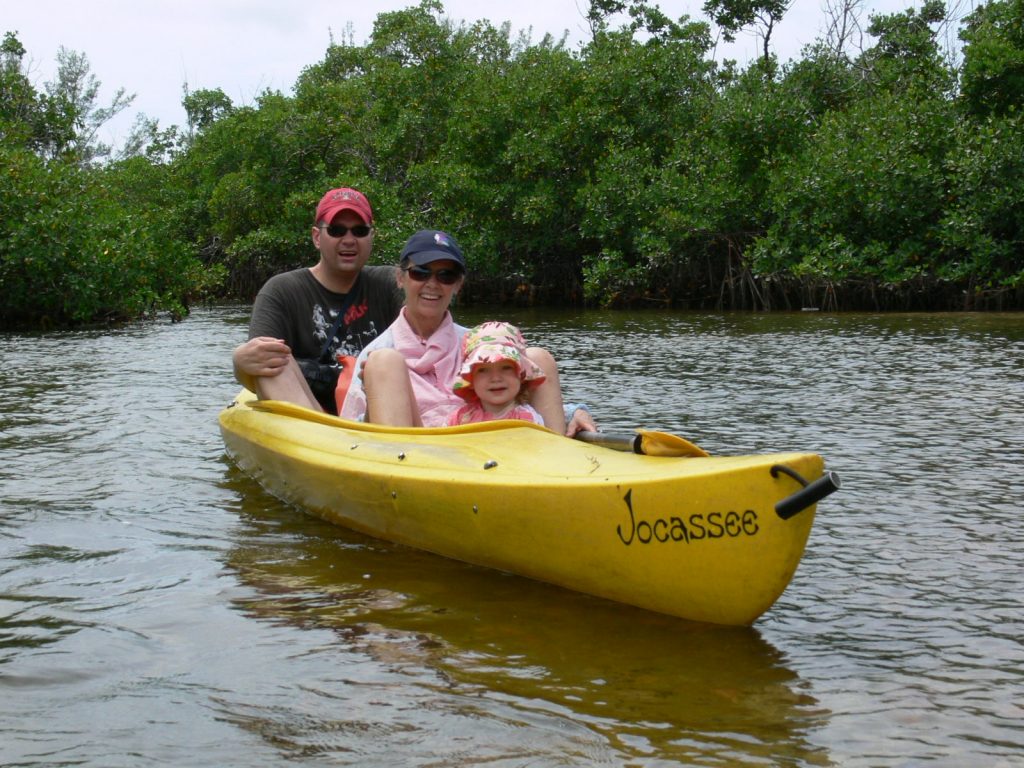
421	258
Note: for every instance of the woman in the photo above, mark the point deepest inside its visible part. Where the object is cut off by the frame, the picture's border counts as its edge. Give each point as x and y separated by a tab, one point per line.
404	377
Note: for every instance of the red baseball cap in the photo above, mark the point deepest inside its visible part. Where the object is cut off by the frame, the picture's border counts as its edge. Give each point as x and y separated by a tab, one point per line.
343	199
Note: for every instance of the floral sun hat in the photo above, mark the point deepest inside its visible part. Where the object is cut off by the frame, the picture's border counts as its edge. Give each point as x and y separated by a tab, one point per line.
493	342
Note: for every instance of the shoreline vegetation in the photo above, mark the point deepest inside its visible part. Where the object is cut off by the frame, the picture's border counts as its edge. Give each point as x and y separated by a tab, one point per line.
880	171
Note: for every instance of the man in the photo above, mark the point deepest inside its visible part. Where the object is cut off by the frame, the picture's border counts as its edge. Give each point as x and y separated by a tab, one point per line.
304	319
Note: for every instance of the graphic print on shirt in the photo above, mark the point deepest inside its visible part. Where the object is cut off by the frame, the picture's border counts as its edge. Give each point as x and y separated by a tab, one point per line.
320	324
354	340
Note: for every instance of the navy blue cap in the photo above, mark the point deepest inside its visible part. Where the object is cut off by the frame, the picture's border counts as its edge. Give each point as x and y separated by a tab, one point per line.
429	245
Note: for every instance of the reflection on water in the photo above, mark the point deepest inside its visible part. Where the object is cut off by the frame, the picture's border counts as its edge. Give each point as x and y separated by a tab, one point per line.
626	682
156	607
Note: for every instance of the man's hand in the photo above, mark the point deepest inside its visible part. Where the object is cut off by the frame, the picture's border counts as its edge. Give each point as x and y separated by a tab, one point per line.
581	421
260	356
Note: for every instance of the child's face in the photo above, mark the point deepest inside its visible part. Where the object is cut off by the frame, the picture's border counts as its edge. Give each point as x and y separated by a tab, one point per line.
496	384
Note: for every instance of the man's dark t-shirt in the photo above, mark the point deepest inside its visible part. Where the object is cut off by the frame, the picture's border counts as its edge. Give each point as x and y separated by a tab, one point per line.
294	307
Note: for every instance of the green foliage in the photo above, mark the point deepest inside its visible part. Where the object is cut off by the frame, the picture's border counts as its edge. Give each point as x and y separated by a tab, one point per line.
205	107
632	204
512	156
908	58
864	198
76	91
993	70
734	15
77	247
982	231
27	118
823	81
632	170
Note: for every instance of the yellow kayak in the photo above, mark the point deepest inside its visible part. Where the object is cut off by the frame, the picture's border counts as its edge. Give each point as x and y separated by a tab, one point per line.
694	537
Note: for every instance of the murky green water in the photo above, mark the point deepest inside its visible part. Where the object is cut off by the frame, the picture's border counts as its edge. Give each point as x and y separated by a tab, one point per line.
157	608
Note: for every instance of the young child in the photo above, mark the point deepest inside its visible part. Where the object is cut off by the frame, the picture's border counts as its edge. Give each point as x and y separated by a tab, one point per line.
495	376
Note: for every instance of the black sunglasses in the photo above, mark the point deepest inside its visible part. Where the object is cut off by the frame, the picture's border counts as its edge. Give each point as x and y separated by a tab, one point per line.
339	230
444	276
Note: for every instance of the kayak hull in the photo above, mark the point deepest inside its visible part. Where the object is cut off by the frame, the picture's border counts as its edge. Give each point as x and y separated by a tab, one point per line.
696	538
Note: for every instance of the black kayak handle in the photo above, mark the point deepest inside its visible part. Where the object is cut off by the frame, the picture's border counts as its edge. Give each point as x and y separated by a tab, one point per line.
811	493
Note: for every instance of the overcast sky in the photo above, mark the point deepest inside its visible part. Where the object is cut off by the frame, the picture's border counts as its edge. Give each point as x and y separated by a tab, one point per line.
152	47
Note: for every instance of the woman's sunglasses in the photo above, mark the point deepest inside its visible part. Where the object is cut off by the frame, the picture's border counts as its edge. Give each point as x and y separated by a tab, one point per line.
444	276
339	230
